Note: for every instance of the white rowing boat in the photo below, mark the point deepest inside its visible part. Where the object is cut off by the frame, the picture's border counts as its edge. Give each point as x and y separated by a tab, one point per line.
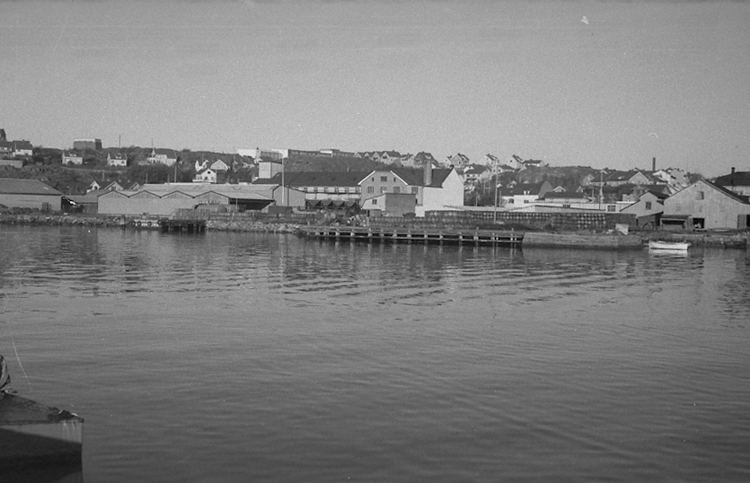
667	245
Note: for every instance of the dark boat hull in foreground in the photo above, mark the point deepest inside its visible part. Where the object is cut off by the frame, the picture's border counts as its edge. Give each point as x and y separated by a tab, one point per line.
31	432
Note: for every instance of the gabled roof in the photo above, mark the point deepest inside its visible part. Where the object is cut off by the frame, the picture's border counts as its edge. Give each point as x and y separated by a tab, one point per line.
549	195
170	153
620	175
194	190
410	176
16	186
476	168
424	156
322	178
415	177
738	178
460	156
520	188
741	198
22	145
90	197
658	193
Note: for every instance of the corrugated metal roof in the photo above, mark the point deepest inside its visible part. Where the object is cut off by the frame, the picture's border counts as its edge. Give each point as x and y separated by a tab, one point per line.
197	189
16	186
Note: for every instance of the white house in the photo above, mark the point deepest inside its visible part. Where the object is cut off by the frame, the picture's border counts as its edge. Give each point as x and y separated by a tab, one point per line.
444	191
649	204
515	162
94	186
390	157
118	160
162	156
72	158
523	193
619	178
432	189
208	175
458	160
219	165
489	160
419	160
22	148
473	173
673	177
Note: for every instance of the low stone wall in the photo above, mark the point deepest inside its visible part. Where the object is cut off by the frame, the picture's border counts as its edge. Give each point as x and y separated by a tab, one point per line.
583	241
252	217
250	226
47	219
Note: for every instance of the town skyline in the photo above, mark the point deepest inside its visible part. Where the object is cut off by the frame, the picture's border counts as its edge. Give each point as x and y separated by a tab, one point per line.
571	83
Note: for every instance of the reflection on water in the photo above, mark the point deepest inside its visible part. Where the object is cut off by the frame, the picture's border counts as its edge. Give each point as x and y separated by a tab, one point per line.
45	473
233	357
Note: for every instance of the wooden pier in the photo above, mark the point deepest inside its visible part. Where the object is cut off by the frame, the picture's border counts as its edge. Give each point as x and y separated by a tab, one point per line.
182	226
410	235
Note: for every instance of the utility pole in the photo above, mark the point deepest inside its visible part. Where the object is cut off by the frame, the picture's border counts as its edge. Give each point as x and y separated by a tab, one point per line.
494	177
283	188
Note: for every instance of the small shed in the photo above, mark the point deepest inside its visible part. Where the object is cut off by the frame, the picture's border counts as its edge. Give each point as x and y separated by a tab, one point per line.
391	204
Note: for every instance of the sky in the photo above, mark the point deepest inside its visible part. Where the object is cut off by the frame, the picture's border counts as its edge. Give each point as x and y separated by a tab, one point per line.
593	83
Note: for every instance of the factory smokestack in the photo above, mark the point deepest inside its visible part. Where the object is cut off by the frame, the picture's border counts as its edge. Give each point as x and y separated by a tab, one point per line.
427	173
653	164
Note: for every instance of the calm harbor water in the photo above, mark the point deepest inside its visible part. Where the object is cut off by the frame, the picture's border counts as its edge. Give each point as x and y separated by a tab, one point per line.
232	357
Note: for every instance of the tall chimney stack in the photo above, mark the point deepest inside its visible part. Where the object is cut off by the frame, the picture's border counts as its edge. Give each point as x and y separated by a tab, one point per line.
653	164
427	173
732	169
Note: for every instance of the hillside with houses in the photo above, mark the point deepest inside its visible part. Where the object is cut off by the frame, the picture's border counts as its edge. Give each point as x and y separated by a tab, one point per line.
388	183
